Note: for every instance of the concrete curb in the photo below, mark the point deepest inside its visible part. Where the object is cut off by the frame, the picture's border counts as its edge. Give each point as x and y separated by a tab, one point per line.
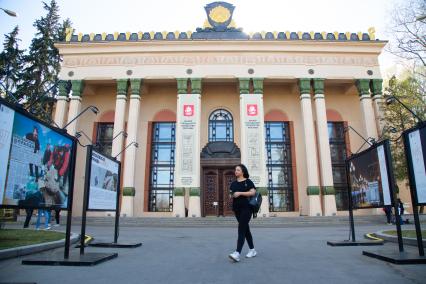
26	250
394	239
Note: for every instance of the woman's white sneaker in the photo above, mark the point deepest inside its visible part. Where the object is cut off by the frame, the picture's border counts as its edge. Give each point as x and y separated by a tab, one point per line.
235	256
251	253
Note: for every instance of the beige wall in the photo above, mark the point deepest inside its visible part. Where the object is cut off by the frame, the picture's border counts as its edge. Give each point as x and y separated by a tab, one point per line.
220	96
103	97
155	98
158	96
285	97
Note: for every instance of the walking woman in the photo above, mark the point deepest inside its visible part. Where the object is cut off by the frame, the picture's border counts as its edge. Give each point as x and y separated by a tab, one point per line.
241	189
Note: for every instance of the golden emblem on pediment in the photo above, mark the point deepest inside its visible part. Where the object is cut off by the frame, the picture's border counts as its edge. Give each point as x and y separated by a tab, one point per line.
220	14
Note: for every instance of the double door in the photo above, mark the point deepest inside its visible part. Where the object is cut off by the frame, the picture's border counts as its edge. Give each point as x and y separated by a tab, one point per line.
216	194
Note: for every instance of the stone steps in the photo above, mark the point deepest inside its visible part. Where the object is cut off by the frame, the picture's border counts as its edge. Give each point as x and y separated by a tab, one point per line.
271	222
231	222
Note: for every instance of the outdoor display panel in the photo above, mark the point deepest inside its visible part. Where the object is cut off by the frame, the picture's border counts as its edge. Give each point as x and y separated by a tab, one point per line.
368	178
104	179
37	161
415	143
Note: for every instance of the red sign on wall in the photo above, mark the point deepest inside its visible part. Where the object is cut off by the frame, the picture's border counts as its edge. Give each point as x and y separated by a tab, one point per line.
251	110
188	110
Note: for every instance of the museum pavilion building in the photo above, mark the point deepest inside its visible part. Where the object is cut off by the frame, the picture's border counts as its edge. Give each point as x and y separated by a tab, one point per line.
198	103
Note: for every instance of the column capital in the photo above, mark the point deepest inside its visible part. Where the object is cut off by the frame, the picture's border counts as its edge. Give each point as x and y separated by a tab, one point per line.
77	87
64	89
305	86
363	86
135	88
258	85
318	86
122	87
182	85
376	87
244	85
195	85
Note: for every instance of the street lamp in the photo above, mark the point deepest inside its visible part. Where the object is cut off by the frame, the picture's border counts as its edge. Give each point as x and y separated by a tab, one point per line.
9	12
130	144
94	109
390	99
421	18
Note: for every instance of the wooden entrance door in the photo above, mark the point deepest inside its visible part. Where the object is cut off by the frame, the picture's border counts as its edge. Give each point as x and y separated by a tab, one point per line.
216	183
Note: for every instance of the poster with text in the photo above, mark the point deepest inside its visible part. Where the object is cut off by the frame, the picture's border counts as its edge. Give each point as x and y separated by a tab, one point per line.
368	177
36	162
104	175
417	140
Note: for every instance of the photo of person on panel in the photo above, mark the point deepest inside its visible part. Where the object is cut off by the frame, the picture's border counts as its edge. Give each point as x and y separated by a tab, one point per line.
38	165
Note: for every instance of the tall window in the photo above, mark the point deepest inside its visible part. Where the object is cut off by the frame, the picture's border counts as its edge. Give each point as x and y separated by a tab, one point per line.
337	141
104	136
162	167
280	181
221	126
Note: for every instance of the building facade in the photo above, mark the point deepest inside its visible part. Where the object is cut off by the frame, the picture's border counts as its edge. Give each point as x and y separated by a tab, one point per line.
198	103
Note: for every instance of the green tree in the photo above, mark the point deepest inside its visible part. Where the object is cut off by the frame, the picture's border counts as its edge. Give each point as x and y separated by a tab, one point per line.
410	91
11	66
43	62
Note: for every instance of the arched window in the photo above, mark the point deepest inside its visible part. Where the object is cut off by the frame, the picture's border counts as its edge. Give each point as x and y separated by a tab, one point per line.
221	126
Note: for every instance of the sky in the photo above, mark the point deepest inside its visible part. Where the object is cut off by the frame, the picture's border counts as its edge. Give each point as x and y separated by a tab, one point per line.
109	16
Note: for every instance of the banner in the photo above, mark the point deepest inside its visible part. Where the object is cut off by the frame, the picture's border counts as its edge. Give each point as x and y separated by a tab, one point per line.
104	173
37	162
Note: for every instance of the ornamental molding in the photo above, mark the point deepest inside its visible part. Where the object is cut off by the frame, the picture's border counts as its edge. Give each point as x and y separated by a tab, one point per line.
139	60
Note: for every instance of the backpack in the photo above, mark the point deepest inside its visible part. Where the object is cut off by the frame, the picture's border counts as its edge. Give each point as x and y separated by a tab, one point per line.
255	202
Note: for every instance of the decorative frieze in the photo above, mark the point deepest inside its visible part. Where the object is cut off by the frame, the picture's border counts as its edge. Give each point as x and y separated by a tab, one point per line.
277	59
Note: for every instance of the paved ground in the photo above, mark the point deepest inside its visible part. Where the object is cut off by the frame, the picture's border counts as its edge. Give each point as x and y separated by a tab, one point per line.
199	255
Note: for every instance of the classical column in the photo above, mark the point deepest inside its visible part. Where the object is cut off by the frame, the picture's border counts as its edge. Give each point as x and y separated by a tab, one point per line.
75	105
61	103
253	137
119	117
130	161
187	161
376	90
329	199
367	110
313	189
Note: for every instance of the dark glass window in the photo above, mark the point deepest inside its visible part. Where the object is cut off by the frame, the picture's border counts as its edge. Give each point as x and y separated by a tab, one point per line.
162	167
104	136
337	141
221	126
278	163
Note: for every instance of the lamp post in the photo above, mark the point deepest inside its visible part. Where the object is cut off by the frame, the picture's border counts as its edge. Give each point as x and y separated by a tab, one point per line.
390	99
9	12
421	18
94	109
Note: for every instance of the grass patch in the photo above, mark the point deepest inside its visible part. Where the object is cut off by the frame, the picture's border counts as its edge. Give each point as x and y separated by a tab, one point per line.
11	238
406	233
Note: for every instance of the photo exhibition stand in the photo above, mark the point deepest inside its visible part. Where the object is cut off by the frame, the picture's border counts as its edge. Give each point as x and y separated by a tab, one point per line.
352	239
415	178
74	259
115	243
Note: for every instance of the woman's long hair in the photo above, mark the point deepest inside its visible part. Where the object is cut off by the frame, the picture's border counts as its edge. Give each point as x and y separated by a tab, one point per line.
244	170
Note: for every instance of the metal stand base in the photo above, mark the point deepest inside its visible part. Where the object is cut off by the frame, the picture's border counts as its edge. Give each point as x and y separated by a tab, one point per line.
88	259
115	245
353	244
397	257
